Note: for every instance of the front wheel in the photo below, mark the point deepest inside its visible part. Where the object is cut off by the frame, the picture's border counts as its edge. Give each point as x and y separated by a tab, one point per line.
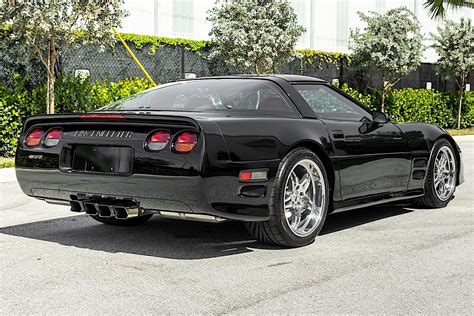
298	202
441	177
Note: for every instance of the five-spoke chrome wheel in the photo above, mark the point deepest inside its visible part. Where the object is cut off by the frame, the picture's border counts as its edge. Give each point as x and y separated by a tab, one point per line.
444	173
304	197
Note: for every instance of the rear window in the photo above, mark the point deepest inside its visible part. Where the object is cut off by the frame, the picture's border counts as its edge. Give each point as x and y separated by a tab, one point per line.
244	95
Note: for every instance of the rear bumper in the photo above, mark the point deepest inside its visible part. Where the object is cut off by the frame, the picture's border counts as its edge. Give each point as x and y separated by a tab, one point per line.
218	196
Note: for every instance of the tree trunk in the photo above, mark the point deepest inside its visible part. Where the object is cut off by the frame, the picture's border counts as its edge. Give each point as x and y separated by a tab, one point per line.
461	93
51	75
382	107
50	94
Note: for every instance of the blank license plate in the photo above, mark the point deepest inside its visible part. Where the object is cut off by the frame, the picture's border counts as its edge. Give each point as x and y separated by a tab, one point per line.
103	159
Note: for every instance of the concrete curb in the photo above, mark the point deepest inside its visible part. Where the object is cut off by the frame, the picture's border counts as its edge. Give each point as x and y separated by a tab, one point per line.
464	138
7	175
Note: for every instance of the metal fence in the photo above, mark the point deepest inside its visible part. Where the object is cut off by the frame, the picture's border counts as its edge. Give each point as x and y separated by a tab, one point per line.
170	63
167	63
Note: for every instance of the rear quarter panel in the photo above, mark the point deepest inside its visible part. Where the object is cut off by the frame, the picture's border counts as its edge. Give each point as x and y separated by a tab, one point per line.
256	139
255	143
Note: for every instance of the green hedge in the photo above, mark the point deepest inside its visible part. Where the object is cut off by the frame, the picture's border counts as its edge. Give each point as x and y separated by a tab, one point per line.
420	105
18	101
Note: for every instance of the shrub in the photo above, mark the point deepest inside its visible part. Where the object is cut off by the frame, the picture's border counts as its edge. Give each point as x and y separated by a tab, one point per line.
17	102
7	162
106	92
420	105
14	106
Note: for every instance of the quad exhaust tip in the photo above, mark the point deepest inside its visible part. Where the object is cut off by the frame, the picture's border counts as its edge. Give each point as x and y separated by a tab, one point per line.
104	210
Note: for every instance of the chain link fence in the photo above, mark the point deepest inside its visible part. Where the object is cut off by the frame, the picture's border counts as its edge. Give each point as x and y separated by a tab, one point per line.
170	63
165	64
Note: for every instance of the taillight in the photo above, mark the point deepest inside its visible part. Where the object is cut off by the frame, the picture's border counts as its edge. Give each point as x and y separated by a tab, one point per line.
53	137
185	142
34	137
158	140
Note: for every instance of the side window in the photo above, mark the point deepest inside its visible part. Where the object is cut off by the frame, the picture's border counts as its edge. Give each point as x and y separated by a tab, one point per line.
327	103
262	98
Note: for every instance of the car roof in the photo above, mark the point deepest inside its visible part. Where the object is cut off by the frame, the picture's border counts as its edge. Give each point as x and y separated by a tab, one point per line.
289	78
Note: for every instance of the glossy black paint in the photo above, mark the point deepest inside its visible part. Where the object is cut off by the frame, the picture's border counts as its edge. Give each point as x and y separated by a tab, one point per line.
367	162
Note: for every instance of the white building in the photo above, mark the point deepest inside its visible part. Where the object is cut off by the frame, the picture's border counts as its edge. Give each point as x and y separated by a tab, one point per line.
328	22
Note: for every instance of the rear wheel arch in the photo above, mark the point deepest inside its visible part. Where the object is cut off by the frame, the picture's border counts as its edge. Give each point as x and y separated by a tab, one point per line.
322	154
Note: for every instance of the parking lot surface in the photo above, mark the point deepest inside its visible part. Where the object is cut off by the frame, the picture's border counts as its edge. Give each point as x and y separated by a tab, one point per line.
387	259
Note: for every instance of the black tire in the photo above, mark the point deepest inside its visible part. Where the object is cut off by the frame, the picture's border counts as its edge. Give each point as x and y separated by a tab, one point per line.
134	221
276	230
431	199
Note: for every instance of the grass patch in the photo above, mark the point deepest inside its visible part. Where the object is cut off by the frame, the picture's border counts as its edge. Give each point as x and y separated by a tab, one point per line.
7	162
461	132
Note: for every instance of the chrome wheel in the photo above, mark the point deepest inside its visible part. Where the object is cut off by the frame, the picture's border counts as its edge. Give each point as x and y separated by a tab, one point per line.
444	173
304	197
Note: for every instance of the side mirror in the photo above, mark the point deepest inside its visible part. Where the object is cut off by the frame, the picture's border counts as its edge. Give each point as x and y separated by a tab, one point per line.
379	117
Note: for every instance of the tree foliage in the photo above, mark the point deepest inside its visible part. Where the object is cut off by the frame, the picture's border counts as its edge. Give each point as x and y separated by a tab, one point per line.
437	8
48	26
454	45
390	43
259	35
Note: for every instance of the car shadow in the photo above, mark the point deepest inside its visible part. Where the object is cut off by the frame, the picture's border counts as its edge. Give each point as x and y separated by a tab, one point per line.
348	219
175	239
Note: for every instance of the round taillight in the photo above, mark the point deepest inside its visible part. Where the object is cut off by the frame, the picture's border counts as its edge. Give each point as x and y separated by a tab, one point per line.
53	137
34	137
158	140
185	142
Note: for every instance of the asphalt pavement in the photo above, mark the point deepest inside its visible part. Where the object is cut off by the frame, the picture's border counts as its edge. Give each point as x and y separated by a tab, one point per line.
391	259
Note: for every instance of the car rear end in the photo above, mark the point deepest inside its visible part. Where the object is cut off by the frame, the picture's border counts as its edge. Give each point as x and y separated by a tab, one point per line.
109	164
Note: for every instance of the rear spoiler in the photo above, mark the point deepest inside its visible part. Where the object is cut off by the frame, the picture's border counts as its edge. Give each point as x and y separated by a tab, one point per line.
116	117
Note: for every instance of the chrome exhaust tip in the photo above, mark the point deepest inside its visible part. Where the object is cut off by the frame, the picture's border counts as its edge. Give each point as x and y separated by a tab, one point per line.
123	212
90	208
133	211
105	211
76	206
120	212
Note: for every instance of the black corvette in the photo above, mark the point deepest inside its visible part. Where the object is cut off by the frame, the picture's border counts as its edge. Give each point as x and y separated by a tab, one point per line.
278	152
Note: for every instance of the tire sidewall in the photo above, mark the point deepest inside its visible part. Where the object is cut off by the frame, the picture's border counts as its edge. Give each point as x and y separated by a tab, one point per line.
429	184
277	209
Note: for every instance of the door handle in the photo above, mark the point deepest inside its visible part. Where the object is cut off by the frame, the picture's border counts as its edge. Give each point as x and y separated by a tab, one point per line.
337	133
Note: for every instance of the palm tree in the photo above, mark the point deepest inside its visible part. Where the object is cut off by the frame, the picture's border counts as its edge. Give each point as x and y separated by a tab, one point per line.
438	8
